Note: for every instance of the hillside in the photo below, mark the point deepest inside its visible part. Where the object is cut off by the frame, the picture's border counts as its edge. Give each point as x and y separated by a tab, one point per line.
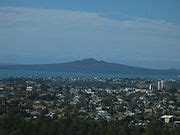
92	66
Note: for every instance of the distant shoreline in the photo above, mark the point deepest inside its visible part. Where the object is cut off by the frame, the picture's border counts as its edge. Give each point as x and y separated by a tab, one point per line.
7	73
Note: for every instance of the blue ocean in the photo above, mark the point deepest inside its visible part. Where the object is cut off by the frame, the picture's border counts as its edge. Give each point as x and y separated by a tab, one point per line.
29	73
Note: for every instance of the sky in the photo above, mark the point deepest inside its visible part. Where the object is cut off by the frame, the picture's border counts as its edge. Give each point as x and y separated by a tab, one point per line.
143	33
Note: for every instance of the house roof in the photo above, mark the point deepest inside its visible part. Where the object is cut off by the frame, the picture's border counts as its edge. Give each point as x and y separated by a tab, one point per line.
167	116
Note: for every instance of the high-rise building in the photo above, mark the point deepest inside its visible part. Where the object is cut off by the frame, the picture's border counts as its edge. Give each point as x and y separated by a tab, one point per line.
160	85
150	87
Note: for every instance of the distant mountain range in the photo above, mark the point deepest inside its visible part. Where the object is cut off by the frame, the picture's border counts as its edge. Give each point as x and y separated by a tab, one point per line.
92	66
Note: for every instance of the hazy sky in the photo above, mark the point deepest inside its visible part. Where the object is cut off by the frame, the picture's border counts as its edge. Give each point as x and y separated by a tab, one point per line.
134	32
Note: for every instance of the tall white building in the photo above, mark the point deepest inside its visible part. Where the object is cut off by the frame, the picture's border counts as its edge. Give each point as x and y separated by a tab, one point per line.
150	87
160	85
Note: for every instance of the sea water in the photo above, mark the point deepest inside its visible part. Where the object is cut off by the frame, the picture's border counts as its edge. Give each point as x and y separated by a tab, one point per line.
28	73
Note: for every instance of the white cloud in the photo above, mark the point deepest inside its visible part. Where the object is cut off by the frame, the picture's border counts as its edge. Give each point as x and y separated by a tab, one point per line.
64	33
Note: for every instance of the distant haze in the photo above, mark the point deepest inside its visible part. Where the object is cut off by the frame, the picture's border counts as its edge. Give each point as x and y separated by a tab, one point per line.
143	34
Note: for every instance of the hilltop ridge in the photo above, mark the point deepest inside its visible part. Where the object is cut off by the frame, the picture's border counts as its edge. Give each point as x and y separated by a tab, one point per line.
90	65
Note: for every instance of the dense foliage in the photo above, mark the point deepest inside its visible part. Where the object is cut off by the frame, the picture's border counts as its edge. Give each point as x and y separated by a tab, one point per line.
13	124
